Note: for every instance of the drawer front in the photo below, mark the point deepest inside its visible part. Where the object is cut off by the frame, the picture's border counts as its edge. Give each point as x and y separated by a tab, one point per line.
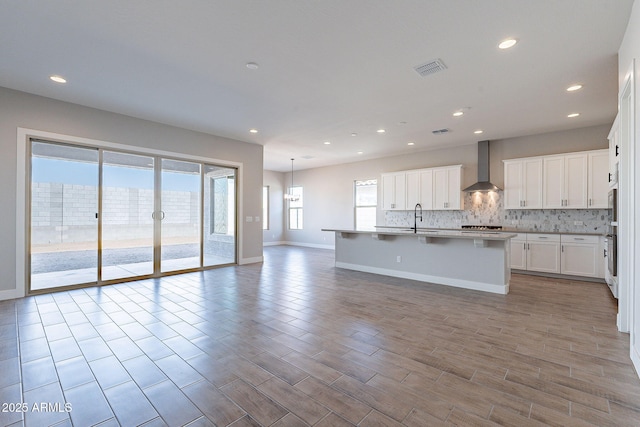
572	238
531	237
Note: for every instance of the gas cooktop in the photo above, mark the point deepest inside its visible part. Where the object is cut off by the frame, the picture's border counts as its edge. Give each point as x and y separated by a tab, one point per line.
481	227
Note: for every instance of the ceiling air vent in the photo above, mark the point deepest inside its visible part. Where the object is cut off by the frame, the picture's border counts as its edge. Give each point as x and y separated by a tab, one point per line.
439	131
430	67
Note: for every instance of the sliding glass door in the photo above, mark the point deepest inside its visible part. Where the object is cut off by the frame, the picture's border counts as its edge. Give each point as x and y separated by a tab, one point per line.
127	215
180	215
101	216
64	215
219	227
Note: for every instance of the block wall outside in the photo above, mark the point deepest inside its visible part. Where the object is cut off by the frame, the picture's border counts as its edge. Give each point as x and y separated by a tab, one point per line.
63	213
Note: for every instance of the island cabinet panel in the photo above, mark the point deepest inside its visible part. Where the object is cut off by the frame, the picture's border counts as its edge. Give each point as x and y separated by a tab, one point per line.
420	188
565	181
523	184
543	253
447	193
394	191
598	185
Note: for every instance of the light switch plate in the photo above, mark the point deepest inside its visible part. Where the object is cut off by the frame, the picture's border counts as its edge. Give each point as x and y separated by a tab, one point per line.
249	219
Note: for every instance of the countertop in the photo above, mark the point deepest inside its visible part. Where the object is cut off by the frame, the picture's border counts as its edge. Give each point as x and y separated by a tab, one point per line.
503	230
430	232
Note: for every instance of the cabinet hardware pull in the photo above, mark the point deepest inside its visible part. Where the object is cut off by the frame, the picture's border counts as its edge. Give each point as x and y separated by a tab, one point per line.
617	152
609	176
542	237
578	238
562	247
524	246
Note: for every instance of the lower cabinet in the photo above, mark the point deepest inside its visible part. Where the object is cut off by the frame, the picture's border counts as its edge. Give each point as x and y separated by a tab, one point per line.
543	253
575	255
581	255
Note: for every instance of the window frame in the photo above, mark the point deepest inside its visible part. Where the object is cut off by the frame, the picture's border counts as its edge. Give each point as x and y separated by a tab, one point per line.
356	206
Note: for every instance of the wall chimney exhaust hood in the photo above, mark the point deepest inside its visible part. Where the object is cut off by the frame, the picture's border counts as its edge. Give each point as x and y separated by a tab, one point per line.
483	183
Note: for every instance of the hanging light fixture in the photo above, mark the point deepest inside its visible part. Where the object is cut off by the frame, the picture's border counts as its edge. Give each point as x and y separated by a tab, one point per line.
290	196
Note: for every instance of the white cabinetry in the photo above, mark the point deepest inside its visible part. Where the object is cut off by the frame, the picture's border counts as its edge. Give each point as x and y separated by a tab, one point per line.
447	194
420	188
543	253
598	185
394	191
570	254
519	252
434	188
580	255
523	184
614	153
565	181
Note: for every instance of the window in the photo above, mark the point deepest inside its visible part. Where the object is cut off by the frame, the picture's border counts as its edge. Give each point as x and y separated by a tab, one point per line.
295	208
265	207
366	202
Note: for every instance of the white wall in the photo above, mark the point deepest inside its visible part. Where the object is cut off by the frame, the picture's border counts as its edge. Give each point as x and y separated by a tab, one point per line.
629	225
19	109
328	191
275	233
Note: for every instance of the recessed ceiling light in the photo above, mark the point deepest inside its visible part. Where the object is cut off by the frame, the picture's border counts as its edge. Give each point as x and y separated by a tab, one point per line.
252	66
354	134
411	143
360	152
327	143
573	115
479	131
458	113
381	131
253	130
506	44
573	88
58	79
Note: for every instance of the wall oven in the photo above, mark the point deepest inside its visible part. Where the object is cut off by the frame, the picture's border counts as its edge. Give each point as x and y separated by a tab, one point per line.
613	204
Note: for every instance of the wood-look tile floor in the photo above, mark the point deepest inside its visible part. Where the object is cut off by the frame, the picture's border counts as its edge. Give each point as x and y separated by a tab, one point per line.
295	341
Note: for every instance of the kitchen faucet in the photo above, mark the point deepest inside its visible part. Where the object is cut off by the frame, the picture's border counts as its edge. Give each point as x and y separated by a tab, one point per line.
415	217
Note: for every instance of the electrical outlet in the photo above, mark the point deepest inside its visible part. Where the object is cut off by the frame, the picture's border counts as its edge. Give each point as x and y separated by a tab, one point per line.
398	258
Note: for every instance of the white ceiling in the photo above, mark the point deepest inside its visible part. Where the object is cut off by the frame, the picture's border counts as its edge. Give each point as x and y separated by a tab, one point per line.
327	68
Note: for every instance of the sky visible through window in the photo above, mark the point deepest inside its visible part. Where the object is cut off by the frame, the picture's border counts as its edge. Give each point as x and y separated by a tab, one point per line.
84	173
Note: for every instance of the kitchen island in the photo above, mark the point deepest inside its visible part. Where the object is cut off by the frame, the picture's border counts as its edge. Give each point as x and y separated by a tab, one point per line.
465	259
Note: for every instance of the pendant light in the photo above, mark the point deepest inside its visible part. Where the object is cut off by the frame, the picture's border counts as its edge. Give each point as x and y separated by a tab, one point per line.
290	196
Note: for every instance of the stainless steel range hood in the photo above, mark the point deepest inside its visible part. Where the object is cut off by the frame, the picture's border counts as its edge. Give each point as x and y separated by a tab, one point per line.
483	183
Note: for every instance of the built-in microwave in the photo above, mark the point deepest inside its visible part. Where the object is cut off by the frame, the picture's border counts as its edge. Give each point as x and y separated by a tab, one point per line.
613	204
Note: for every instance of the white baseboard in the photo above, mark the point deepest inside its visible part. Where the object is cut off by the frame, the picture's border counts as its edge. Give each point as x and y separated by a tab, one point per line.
251	260
635	359
10	294
310	245
273	243
458	283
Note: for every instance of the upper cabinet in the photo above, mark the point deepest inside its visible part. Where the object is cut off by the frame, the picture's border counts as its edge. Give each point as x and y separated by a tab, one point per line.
394	191
433	188
523	184
565	181
420	188
614	153
446	188
598	185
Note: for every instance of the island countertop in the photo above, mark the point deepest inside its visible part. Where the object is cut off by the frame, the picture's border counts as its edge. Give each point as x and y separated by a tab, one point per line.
429	232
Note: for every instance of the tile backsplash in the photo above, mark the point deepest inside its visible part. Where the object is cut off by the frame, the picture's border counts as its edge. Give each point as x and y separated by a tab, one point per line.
488	209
